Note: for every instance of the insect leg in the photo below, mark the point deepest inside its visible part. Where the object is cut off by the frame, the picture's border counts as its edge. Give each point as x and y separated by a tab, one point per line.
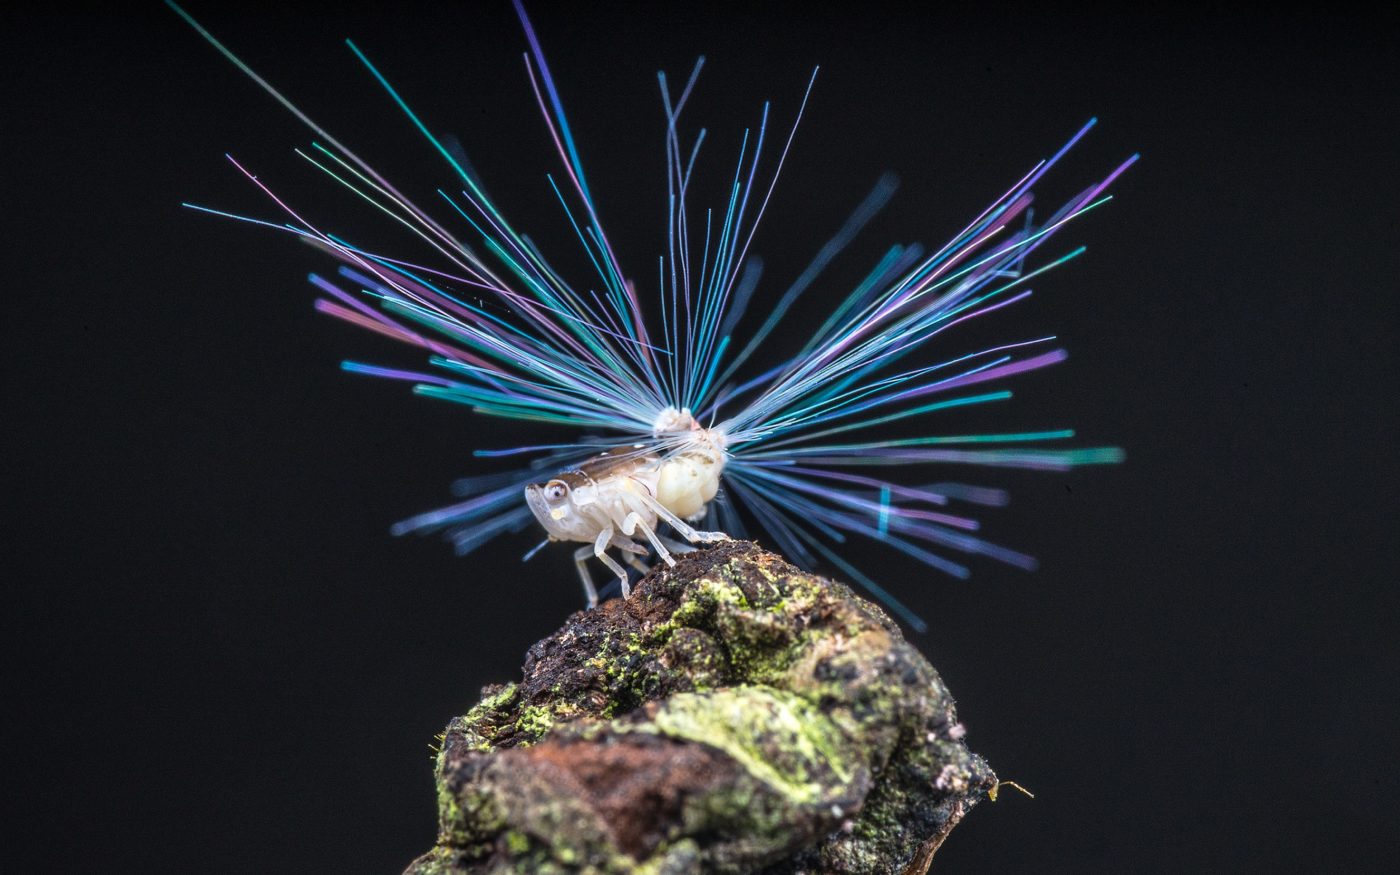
600	547
632	552
636	562
676	546
627	545
581	560
633	522
689	532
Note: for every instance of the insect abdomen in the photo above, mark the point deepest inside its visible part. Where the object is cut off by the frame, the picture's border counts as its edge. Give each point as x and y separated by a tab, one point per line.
687	483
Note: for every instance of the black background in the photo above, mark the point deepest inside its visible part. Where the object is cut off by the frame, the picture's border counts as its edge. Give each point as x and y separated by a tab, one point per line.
222	662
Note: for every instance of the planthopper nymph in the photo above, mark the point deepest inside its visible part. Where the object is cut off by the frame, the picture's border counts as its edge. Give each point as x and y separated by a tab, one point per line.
619	496
683	430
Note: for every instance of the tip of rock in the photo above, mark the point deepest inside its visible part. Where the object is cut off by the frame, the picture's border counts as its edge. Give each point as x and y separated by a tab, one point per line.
735	714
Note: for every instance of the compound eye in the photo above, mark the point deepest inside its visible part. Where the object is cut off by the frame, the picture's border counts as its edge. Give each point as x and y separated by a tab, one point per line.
556	491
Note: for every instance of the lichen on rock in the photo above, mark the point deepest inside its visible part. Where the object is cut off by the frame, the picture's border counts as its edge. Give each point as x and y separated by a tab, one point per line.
734	715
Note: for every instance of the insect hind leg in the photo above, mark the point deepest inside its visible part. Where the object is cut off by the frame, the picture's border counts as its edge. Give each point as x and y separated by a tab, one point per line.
689	532
675	546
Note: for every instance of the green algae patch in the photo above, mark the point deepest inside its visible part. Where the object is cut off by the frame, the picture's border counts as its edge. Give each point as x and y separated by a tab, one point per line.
733	715
777	738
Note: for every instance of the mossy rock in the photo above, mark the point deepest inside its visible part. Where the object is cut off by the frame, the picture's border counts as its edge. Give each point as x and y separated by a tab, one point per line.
734	715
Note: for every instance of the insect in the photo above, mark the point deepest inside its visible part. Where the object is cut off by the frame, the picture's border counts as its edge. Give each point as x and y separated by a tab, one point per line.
679	427
622	493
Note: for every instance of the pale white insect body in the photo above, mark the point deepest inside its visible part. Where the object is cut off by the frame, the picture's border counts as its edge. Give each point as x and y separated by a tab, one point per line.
623	494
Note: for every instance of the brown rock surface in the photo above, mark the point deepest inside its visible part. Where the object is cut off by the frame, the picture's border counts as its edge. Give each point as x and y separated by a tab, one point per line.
734	715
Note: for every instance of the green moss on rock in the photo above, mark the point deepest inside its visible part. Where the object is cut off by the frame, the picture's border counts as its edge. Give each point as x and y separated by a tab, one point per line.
734	715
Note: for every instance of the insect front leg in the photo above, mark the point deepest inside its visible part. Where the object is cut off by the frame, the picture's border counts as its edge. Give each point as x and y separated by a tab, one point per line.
600	548
581	560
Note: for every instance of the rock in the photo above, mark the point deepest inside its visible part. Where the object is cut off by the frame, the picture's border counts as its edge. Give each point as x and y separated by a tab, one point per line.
734	715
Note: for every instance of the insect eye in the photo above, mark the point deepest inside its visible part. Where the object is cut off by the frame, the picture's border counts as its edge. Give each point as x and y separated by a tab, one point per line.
555	490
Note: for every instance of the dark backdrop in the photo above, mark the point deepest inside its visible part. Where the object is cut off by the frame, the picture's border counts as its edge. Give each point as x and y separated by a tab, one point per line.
221	661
